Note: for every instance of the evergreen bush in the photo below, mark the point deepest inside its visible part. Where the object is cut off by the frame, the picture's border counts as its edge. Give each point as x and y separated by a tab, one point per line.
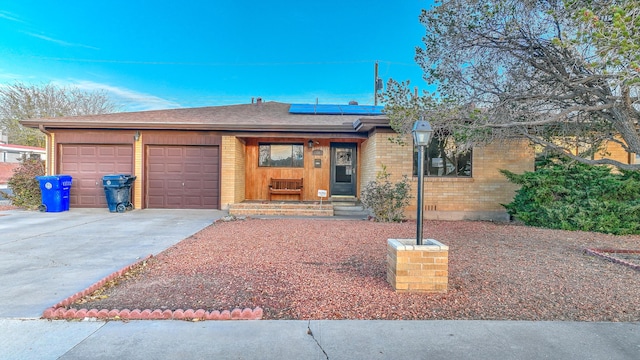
571	196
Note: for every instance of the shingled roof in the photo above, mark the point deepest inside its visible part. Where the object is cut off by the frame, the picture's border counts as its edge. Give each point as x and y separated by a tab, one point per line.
263	116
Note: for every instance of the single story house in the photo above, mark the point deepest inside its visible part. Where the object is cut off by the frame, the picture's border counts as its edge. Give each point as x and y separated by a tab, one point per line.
11	153
10	156
225	156
7	170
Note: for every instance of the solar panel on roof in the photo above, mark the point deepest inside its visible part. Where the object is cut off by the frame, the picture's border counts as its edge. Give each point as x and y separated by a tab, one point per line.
329	109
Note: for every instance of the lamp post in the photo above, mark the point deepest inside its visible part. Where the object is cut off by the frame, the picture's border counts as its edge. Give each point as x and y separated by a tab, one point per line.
421	136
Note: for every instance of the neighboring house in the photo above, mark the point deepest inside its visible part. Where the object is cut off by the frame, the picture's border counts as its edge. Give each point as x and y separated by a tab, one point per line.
6	172
10	156
217	157
10	153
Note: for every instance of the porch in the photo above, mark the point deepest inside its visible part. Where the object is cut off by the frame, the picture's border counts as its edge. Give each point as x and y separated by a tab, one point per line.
337	206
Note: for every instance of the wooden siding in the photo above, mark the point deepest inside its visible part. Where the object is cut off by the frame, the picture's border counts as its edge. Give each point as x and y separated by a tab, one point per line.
151	137
257	177
94	136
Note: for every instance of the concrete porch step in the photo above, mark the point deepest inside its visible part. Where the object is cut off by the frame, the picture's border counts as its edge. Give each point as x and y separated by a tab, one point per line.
344	200
349	207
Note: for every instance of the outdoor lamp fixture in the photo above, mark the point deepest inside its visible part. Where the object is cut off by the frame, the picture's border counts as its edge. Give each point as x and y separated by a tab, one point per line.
421	137
310	143
136	136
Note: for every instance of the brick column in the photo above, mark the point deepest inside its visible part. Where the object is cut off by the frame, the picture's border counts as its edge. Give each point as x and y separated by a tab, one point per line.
417	268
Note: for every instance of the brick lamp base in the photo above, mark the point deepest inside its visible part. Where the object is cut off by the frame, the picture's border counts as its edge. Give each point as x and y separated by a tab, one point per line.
417	268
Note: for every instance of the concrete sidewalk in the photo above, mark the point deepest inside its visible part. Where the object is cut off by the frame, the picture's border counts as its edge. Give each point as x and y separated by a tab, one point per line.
279	339
46	257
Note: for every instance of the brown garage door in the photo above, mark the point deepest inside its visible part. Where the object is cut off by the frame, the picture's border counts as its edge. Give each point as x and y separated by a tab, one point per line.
183	177
87	164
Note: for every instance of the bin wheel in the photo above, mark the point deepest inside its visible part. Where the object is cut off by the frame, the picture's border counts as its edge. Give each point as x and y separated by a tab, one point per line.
121	208
42	208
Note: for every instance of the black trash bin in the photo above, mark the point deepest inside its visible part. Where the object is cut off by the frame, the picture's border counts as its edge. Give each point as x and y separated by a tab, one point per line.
55	192
117	188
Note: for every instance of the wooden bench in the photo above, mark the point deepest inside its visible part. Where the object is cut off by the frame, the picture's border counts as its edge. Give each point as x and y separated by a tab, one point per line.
285	187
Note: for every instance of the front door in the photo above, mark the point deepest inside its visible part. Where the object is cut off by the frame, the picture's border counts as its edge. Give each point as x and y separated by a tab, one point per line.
343	169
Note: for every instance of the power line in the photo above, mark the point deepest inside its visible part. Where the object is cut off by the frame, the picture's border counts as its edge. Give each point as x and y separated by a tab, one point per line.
186	63
218	64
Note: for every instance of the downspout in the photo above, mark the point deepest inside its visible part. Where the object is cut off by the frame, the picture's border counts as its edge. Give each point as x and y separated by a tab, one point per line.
47	146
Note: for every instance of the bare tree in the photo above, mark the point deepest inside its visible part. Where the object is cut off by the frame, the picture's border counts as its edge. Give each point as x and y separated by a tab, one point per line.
563	74
21	101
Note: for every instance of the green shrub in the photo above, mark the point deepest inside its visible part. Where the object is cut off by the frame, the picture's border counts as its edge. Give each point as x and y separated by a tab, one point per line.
385	199
573	196
23	183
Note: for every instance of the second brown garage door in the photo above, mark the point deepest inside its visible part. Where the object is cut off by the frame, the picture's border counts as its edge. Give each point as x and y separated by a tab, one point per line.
183	177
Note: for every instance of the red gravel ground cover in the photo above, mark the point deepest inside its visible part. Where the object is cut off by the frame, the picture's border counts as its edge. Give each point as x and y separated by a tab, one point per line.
332	269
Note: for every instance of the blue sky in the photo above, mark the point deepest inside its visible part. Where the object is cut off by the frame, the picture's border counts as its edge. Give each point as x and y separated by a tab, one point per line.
167	54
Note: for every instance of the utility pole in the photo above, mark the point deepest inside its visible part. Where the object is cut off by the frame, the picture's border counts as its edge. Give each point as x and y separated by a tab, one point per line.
377	83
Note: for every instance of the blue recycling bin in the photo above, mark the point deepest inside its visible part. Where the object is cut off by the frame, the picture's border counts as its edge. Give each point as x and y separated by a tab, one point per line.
55	192
117	188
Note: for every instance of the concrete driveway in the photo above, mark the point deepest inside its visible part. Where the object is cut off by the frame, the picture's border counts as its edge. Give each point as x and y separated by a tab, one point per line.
47	257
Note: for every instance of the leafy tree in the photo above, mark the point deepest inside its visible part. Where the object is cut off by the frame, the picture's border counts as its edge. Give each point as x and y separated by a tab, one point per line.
564	74
21	101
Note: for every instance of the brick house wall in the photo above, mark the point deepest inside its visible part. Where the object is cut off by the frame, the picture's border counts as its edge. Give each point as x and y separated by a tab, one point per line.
616	152
476	198
368	164
232	172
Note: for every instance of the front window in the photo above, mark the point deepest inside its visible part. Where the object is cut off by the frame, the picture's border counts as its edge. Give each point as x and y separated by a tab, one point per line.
444	158
281	155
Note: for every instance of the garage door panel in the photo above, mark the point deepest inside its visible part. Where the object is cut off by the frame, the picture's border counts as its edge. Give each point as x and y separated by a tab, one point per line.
174	151
210	169
174	168
155	151
173	184
155	183
156	168
183	176
191	185
87	164
69	151
107	152
193	169
174	201
193	200
210	185
87	151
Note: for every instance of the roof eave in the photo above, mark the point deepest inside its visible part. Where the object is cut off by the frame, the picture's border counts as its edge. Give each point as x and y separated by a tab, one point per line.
347	127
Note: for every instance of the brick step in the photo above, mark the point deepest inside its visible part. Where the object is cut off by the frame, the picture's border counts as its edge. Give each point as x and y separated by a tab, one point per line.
284	209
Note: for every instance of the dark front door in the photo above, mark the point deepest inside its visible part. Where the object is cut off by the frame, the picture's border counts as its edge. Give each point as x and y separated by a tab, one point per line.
343	169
